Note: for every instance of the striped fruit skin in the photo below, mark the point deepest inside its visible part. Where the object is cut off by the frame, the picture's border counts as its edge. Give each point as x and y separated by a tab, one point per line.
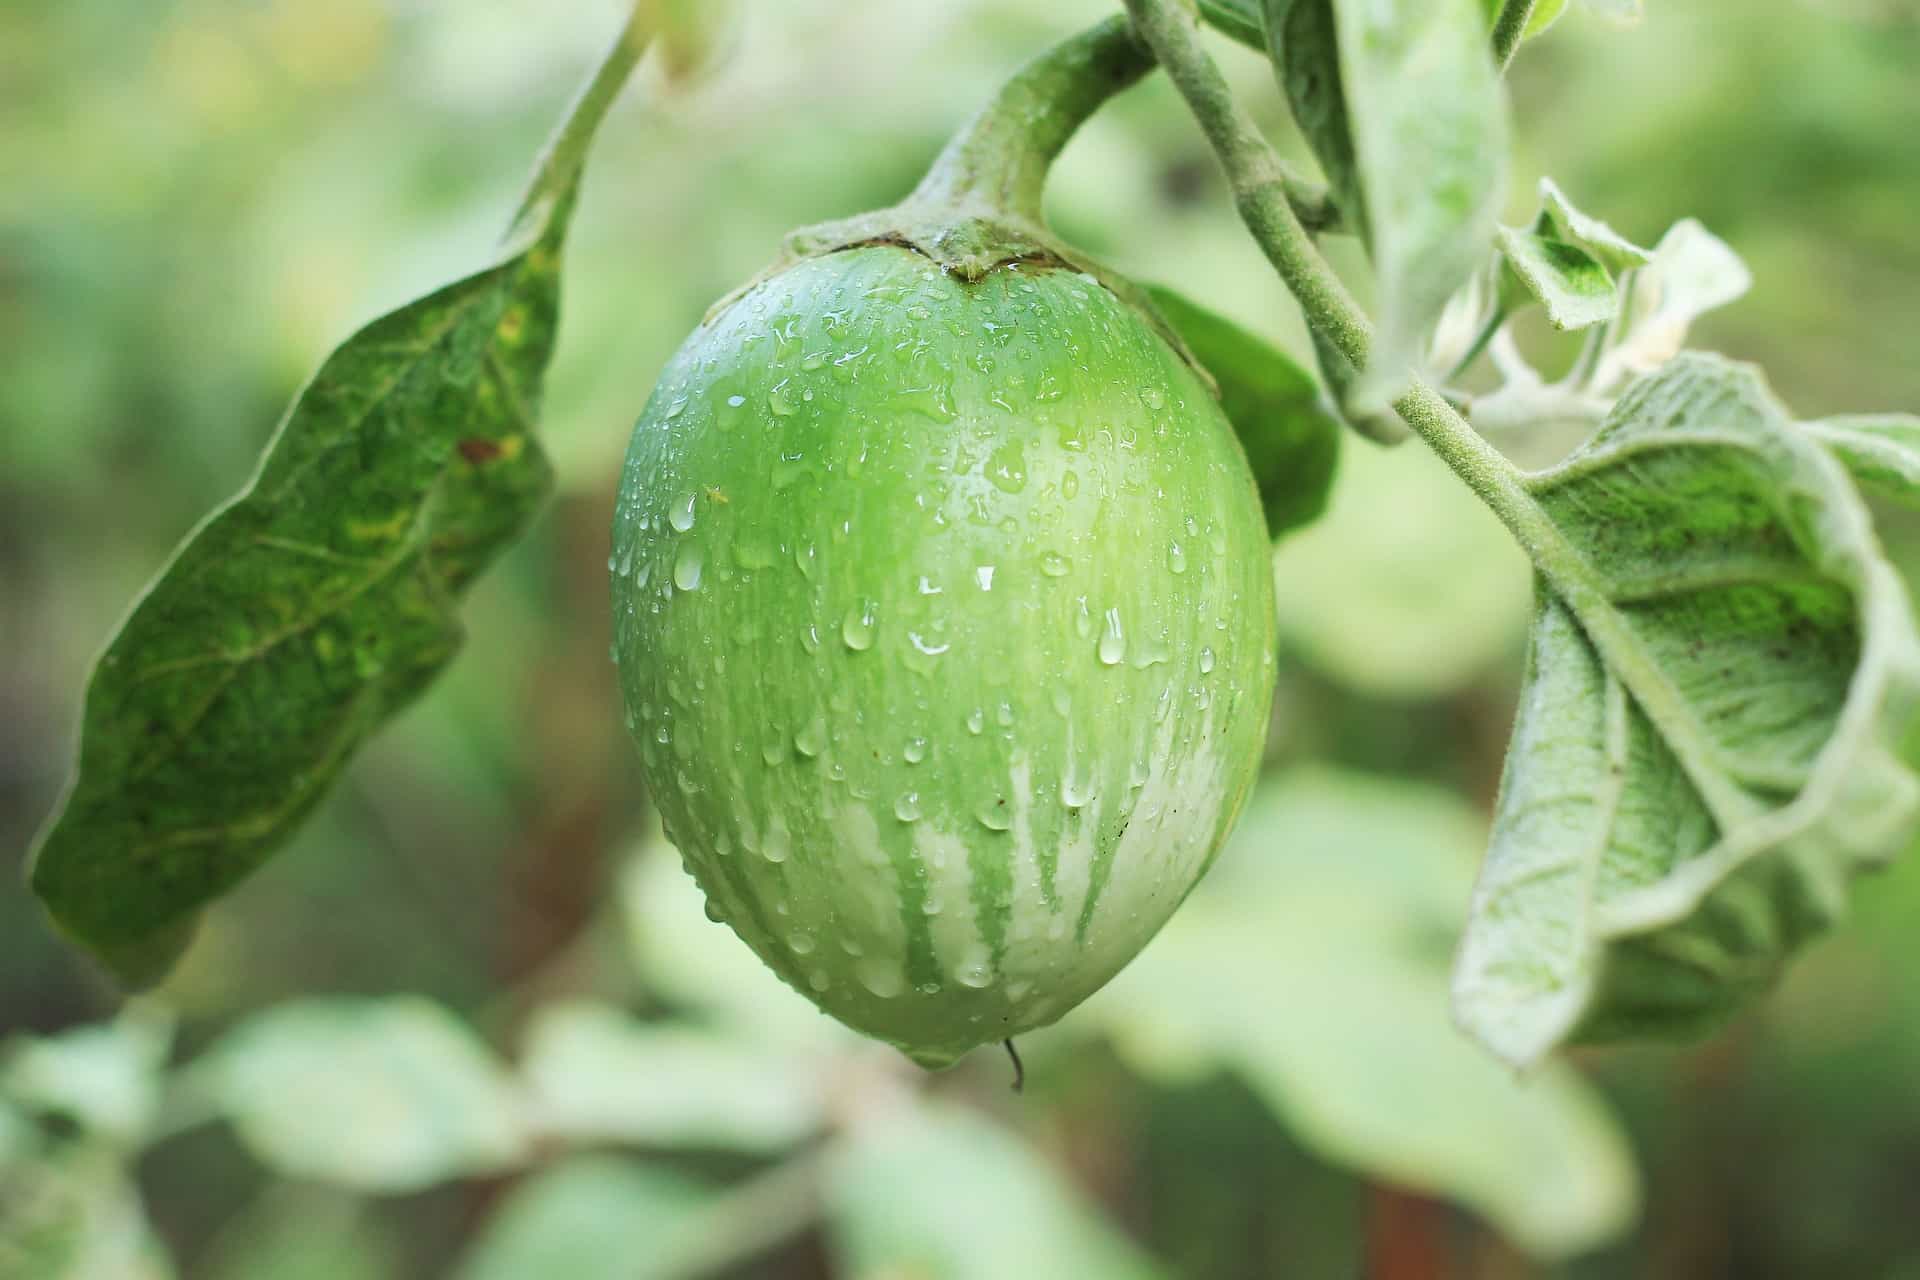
944	619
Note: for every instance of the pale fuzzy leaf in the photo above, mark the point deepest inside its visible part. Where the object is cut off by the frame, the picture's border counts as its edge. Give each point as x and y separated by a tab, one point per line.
1332	913
596	1075
1692	272
1882	450
385	1095
1574	288
106	1078
592	1217
1560	220
1709	743
1430	141
943	1193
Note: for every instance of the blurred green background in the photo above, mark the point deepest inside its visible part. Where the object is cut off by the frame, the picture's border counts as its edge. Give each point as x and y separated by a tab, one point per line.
474	1023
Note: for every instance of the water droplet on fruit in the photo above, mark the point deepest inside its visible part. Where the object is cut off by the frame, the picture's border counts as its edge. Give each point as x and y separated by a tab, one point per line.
907	807
818	980
881	977
857	627
1007	468
993	814
1113	641
800	942
1154	396
810	638
812	738
778	400
779	844
983	575
680	515
975	970
915	751
1176	557
1070	484
686	567
1054	565
976	720
1206	660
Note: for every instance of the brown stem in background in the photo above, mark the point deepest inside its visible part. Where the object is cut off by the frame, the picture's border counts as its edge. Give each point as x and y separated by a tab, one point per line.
1405	1236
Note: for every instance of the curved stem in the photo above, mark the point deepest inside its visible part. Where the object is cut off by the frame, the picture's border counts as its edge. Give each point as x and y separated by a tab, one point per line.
1508	28
999	160
559	166
1001	157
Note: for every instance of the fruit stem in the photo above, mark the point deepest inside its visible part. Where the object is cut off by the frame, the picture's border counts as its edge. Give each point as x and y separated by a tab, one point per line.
998	162
999	159
558	170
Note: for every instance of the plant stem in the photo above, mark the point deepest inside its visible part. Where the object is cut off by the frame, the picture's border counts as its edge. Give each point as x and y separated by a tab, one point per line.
1508	28
558	170
999	160
1168	27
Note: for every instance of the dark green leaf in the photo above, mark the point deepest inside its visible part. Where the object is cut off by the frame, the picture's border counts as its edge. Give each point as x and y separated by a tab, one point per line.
1305	48
1276	408
1715	732
322	599
1882	450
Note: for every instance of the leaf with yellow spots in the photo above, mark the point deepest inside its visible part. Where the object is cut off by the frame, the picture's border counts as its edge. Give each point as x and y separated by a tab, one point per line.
300	616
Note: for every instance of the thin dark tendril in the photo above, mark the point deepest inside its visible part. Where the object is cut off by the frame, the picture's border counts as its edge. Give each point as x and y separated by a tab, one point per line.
1019	1071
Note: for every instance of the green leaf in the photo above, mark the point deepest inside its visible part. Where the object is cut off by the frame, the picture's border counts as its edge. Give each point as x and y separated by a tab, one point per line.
386	1095
1313	961
1559	220
1305	49
1402	105
1276	408
591	1217
596	1074
1882	450
104	1078
1576	290
1713	737
322	599
941	1194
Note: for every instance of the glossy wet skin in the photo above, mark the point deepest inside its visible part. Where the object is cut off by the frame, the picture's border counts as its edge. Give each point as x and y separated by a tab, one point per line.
944	620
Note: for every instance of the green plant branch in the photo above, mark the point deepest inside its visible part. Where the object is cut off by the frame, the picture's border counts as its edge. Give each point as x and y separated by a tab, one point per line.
1169	29
1508	28
566	152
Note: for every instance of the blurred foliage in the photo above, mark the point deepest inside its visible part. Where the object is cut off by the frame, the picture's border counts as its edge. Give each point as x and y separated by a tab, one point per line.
473	1023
